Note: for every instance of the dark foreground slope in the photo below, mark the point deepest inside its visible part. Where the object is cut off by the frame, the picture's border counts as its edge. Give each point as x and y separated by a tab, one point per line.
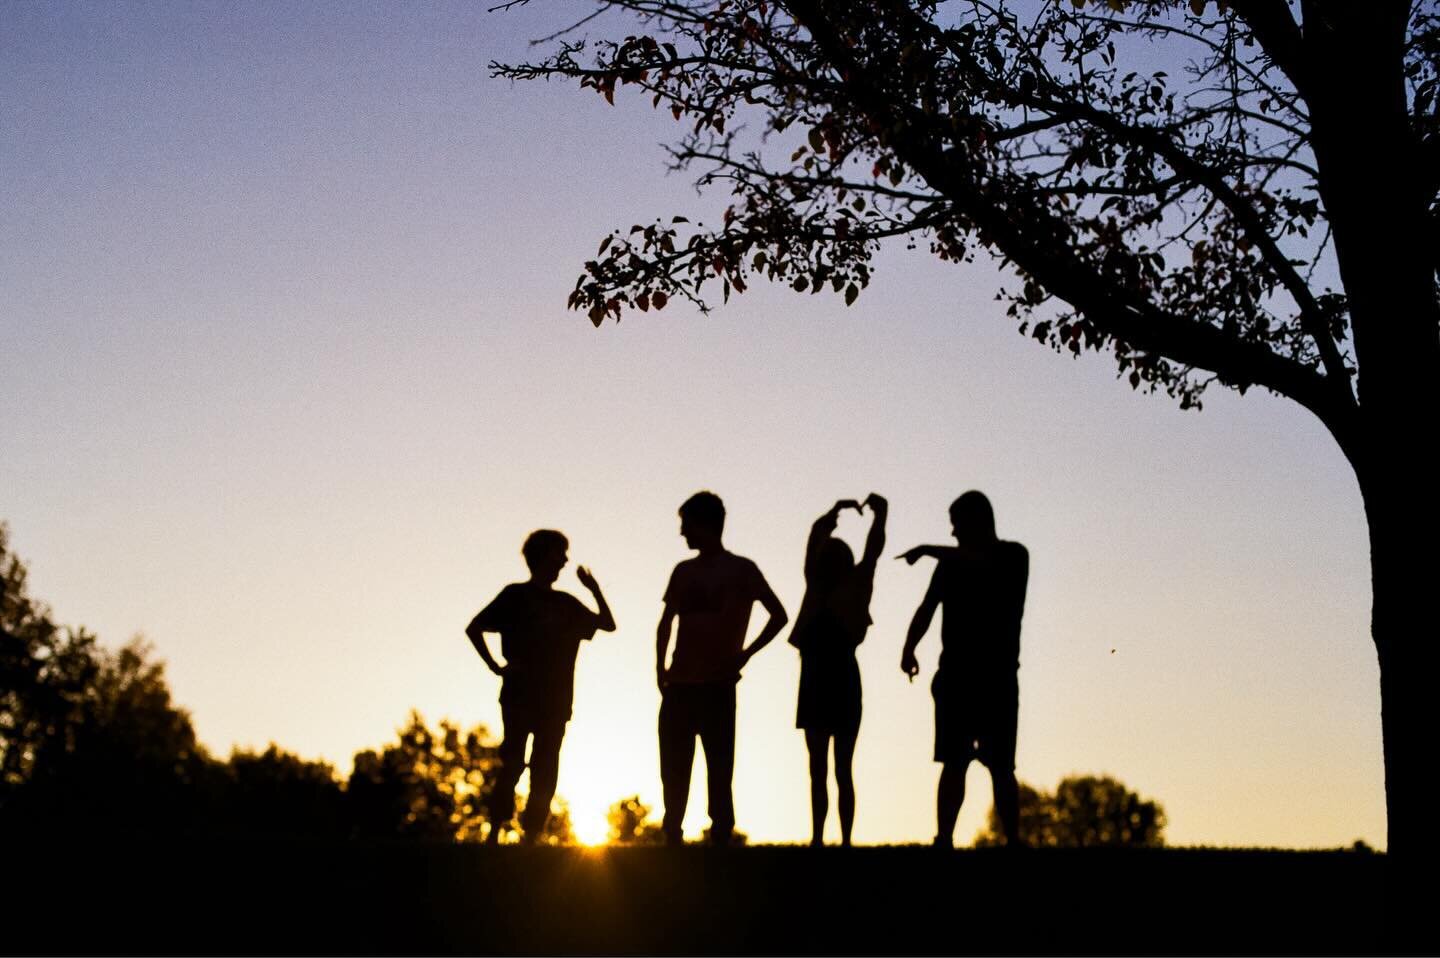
366	898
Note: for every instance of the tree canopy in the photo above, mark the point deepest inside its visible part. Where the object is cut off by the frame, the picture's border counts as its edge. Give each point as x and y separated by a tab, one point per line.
1172	220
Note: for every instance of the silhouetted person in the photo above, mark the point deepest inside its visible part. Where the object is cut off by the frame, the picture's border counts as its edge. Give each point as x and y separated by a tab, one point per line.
541	629
981	583
833	619
712	595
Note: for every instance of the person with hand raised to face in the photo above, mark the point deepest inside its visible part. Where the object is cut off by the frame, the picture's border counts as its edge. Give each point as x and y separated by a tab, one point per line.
540	629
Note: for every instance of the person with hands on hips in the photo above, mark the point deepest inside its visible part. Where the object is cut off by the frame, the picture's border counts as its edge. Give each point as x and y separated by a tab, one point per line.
540	630
710	597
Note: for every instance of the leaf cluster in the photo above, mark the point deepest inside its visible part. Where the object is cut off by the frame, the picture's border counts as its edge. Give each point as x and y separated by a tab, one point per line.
1169	216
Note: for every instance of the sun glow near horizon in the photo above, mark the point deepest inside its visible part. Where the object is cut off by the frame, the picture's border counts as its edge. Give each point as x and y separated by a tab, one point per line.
589	824
594	774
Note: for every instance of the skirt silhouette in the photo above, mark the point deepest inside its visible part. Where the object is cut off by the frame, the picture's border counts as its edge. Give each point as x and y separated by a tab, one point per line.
829	693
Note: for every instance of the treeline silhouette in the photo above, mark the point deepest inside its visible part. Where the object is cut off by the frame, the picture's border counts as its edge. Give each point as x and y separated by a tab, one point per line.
91	742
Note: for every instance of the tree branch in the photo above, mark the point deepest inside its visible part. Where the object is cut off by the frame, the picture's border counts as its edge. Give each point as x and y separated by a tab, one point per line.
1311	316
1280	37
1128	317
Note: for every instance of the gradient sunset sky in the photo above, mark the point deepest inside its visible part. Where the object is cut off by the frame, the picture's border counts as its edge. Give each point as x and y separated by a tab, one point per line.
287	377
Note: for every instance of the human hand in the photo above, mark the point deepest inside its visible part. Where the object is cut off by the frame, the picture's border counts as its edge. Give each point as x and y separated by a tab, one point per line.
908	665
499	669
586	579
911	556
876	502
662	677
845	504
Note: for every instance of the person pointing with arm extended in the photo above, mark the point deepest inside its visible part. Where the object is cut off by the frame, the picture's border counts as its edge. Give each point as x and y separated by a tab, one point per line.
981	583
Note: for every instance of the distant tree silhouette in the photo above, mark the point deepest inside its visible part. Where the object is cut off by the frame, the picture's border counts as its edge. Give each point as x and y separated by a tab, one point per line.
427	784
631	824
1187	224
136	754
433	785
89	737
45	673
276	792
1084	812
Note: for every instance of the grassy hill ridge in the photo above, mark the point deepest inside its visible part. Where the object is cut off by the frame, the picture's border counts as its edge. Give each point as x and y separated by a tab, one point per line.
351	897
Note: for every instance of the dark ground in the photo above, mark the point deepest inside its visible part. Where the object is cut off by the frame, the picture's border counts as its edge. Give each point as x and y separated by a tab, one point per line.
247	897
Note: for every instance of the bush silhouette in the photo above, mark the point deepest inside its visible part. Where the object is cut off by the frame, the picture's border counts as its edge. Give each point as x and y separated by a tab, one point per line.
1085	811
631	824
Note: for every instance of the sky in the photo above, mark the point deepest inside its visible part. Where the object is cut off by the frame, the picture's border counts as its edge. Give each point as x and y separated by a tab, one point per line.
287	377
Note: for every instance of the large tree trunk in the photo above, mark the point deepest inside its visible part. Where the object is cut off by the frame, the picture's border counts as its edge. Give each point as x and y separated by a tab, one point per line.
1404	517
1372	180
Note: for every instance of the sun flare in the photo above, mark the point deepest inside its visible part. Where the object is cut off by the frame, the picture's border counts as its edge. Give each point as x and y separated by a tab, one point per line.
590	826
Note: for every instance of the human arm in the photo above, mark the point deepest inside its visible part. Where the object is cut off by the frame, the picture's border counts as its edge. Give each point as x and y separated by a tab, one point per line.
919	625
778	617
662	645
911	556
824	528
1022	579
875	541
604	621
476	631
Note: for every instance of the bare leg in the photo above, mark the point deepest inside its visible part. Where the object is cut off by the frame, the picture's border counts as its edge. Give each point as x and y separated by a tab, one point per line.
845	782
819	745
1007	804
948	799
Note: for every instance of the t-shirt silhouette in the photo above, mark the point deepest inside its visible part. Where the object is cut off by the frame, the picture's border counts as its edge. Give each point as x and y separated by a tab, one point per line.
712	595
540	634
983	597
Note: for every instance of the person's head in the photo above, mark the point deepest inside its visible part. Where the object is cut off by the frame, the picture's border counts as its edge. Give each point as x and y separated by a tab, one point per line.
545	553
836	563
972	519
702	520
